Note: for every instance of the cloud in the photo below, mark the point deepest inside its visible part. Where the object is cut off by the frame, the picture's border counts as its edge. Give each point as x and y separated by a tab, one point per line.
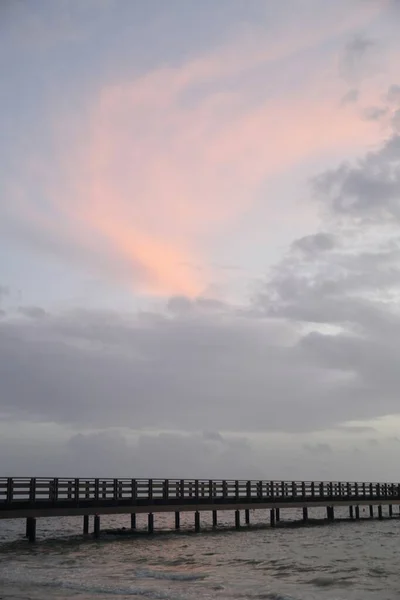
367	190
33	312
356	58
350	97
319	242
318	448
163	162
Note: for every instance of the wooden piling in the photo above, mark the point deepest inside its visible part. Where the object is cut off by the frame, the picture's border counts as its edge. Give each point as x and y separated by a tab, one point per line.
247	516
371	511
133	521
215	518
380	515
237	519
197	521
31	529
390	511
351	512
177	520
150	523
272	517
357	510
85	524
278	514
96	529
305	514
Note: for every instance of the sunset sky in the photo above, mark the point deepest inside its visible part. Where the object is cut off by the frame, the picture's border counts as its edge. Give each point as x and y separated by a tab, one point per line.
199	238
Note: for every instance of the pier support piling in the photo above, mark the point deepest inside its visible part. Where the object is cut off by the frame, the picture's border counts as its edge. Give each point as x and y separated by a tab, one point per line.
380	515
278	514
31	529
247	516
85	524
177	520
237	519
305	514
357	513
272	517
215	518
330	513
197	521
351	512
96	526
390	511
150	523
133	521
371	511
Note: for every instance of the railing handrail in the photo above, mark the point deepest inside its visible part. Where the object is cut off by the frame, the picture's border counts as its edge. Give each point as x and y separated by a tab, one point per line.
74	490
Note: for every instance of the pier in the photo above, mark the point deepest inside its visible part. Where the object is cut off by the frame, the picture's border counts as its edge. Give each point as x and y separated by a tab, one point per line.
33	498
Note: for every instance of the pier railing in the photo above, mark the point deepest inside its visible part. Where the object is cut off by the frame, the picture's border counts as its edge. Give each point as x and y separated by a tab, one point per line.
180	491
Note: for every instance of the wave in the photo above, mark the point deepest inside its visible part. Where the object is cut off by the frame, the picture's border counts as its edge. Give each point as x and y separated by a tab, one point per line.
98	589
324	582
169	575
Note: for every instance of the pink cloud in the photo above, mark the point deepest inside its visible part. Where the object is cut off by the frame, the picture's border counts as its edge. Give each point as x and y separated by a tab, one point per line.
169	159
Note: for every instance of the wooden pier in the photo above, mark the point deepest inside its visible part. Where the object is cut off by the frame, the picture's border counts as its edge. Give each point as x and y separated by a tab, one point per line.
32	498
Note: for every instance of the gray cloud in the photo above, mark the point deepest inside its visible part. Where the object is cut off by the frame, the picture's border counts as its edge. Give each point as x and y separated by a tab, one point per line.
350	97
369	190
319	242
393	94
356	59
33	312
375	113
320	448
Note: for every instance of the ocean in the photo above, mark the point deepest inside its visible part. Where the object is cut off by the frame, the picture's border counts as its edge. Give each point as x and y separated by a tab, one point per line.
344	560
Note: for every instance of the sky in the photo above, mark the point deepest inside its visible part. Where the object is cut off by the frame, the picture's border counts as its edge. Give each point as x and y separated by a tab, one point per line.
199	238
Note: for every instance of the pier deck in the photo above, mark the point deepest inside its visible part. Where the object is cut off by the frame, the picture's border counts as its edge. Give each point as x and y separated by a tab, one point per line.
31	498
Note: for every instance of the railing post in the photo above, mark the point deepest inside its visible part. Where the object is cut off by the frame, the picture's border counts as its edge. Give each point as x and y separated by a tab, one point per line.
283	489
196	490
150	484
115	492
294	489
133	491
356	490
96	489
76	490
224	489
303	489
321	489
236	490
312	489
248	490
55	489
32	490
349	489
182	490
211	489
165	489
272	484
10	489
259	490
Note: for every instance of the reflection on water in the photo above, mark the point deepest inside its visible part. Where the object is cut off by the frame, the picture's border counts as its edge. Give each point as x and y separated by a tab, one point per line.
342	561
